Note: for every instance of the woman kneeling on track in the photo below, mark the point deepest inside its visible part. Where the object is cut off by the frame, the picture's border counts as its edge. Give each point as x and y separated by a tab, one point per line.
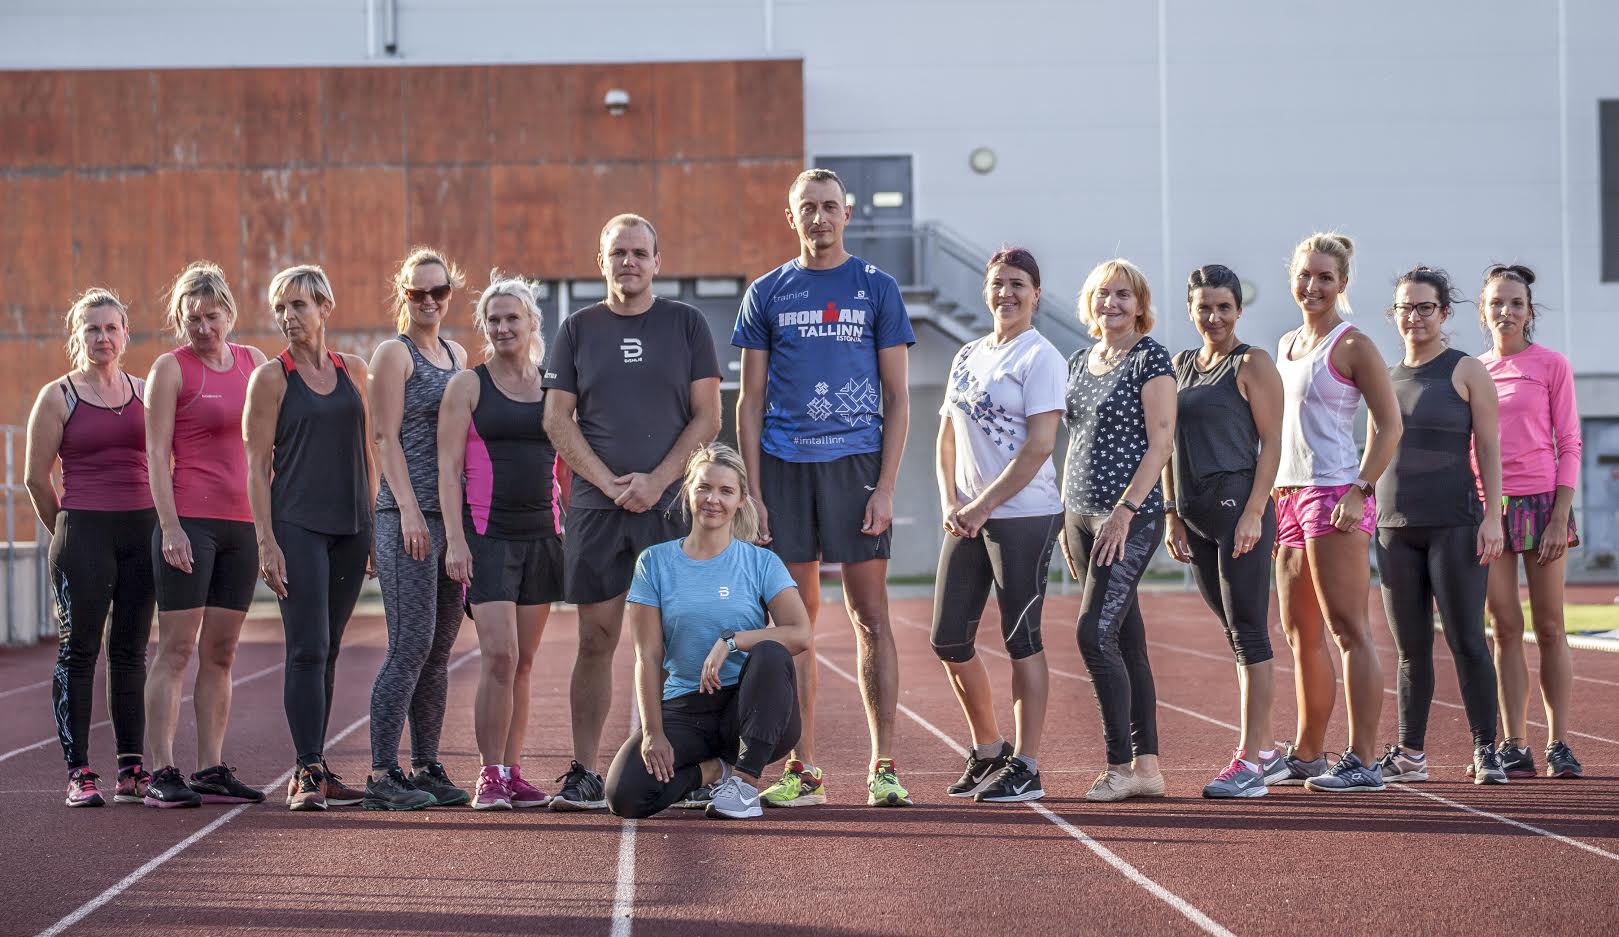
501	536
1002	512
697	608
1435	541
1120	412
101	542
203	551
310	483
1228	425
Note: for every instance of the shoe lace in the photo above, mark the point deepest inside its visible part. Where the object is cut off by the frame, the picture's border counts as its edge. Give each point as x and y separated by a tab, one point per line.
1341	762
1391	755
574	774
310	779
1232	770
86	779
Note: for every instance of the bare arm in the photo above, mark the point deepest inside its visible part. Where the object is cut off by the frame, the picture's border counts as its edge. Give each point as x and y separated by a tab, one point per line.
1479	391
570	442
944	471
750	419
361	375
642	492
1261	385
162	395
893	367
1158	410
265	389
790	625
1366	369
45	423
646	624
454	417
391	367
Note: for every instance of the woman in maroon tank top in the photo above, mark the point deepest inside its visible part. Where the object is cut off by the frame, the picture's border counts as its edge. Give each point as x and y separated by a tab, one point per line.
203	552
93	419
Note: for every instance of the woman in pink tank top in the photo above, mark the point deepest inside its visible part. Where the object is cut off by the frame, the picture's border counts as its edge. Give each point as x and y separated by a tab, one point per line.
93	420
204	554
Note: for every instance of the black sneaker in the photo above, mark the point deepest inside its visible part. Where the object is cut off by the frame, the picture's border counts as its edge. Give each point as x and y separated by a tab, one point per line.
1517	760
582	789
1561	763
698	799
980	772
1014	782
219	785
432	779
1486	767
168	789
393	791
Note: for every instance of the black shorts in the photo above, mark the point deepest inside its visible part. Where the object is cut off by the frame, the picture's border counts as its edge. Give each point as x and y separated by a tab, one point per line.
600	548
224	566
528	572
817	508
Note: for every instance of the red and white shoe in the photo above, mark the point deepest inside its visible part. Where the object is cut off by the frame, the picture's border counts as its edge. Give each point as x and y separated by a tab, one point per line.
492	794
523	793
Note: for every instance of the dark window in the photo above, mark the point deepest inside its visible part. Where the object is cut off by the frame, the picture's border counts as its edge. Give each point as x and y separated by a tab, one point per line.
1608	120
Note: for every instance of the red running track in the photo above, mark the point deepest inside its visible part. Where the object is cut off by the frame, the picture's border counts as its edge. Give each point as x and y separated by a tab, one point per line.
1440	857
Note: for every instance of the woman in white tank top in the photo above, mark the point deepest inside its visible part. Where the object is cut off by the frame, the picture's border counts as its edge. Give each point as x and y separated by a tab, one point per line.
1325	517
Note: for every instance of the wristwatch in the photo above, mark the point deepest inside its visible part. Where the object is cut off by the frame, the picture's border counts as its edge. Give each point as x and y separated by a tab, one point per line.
1128	505
729	637
1363	486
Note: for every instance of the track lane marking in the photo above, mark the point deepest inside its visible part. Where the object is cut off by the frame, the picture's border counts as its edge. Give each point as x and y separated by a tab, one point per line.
24	689
624	890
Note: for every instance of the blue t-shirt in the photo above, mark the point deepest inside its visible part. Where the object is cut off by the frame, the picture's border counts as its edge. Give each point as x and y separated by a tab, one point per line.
701	598
823	329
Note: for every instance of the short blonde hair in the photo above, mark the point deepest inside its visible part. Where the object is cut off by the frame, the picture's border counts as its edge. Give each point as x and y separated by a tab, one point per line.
1104	272
501	284
203	279
420	256
745	522
309	278
92	298
1337	246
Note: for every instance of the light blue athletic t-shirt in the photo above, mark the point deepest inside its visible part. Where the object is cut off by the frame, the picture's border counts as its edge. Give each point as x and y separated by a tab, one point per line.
701	598
823	329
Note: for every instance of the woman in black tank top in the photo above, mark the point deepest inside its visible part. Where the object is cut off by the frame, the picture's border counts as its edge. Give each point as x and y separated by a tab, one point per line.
1435	538
310	481
1228	430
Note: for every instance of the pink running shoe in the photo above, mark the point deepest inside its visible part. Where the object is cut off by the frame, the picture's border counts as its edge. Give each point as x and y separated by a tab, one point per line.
82	790
493	794
525	794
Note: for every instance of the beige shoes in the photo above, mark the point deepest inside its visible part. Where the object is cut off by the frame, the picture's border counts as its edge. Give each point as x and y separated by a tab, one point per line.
1113	785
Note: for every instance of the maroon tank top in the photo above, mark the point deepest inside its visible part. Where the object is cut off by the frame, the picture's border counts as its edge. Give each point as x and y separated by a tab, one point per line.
103	453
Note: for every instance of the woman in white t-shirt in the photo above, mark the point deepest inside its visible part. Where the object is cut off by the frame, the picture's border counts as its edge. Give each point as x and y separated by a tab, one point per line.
1002	511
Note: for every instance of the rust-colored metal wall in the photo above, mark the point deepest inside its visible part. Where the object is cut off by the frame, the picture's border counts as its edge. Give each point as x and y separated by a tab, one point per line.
119	178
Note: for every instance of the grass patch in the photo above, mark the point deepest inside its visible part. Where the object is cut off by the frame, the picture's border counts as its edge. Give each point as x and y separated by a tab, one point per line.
1585	618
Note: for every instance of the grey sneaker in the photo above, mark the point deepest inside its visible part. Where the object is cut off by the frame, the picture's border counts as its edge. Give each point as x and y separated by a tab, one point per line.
433	779
697	799
1348	775
734	799
393	791
1486	767
582	789
1293	772
1237	780
1561	763
1398	765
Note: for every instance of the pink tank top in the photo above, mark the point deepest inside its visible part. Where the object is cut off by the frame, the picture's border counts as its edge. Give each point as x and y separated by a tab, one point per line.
103	453
210	463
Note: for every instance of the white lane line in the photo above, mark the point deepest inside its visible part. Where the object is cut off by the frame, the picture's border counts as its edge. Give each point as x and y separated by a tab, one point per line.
24	689
624	891
1204	923
1595	850
107	722
156	862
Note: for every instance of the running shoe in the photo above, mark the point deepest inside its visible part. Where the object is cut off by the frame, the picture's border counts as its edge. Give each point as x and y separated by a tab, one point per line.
799	787
132	783
697	799
393	791
1348	775
1292	771
523	793
1486	767
1015	782
82	790
1111	786
1399	765
432	778
309	789
492	792
884	789
1561	763
1237	780
582	789
168	789
339	794
734	799
1517	760
219	785
980	772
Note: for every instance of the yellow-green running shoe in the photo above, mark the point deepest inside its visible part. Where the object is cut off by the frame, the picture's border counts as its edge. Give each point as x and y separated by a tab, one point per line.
885	788
798	787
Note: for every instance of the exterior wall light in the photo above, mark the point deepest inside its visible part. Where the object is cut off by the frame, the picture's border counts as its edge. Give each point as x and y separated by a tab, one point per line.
982	160
617	101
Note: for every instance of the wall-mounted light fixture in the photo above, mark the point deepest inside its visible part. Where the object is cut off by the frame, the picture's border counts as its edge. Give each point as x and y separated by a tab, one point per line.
617	101
982	160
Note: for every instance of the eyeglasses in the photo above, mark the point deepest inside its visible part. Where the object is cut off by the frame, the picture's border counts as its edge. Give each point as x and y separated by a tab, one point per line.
1423	310
439	294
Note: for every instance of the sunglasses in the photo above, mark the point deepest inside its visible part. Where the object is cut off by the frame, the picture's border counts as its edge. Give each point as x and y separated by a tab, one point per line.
439	294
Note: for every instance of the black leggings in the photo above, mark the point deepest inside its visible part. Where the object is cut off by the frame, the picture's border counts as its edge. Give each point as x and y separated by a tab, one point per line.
1013	554
1420	566
324	575
101	561
750	724
1236	588
1112	637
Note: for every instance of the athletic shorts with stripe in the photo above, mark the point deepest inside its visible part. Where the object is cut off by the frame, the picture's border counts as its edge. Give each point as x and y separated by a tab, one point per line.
1013	555
818	508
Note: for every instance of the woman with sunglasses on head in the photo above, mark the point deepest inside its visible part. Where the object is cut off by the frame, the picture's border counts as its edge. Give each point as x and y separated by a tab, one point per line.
1435	540
93	419
422	603
1540	468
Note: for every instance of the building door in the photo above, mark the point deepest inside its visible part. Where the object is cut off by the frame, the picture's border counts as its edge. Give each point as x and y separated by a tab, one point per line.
880	228
1599	520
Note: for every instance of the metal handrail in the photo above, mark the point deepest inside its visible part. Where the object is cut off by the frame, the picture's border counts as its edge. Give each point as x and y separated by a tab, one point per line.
25	622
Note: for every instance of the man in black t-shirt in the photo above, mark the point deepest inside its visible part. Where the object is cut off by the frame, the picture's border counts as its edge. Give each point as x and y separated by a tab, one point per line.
632	389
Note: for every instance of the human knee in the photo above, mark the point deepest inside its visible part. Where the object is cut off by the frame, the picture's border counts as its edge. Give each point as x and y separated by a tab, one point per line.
628	802
500	663
1348	633
870	618
1549	632
597	640
771	654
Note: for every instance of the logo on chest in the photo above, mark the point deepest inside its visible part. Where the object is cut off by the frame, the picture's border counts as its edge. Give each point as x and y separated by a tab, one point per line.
725	592
838	324
631	347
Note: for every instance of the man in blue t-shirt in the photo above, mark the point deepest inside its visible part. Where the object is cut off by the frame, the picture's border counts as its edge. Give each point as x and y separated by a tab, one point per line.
822	421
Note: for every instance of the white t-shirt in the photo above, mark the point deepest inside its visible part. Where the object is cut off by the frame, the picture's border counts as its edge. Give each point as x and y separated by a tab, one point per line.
991	392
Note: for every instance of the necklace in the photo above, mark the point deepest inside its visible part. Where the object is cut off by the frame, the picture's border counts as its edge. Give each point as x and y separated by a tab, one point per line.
1111	357
101	402
528	382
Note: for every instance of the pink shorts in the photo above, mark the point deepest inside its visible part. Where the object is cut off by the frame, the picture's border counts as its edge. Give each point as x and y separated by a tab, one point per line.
1306	513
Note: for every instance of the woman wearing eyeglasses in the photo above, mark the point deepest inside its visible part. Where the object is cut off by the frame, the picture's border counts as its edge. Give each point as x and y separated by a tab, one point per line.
423	605
1435	540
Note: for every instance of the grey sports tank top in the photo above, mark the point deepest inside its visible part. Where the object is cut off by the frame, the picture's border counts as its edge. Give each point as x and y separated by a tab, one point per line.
418	428
1431	483
1215	433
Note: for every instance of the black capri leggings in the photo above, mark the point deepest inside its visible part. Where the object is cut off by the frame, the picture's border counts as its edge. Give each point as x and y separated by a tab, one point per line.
750	724
1112	636
101	561
1420	566
1013	554
324	575
1237	589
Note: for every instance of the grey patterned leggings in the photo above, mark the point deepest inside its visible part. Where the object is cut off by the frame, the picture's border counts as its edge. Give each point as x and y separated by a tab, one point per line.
424	610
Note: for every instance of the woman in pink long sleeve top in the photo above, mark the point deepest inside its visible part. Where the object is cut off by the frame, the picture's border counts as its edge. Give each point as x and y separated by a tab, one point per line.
1540	465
